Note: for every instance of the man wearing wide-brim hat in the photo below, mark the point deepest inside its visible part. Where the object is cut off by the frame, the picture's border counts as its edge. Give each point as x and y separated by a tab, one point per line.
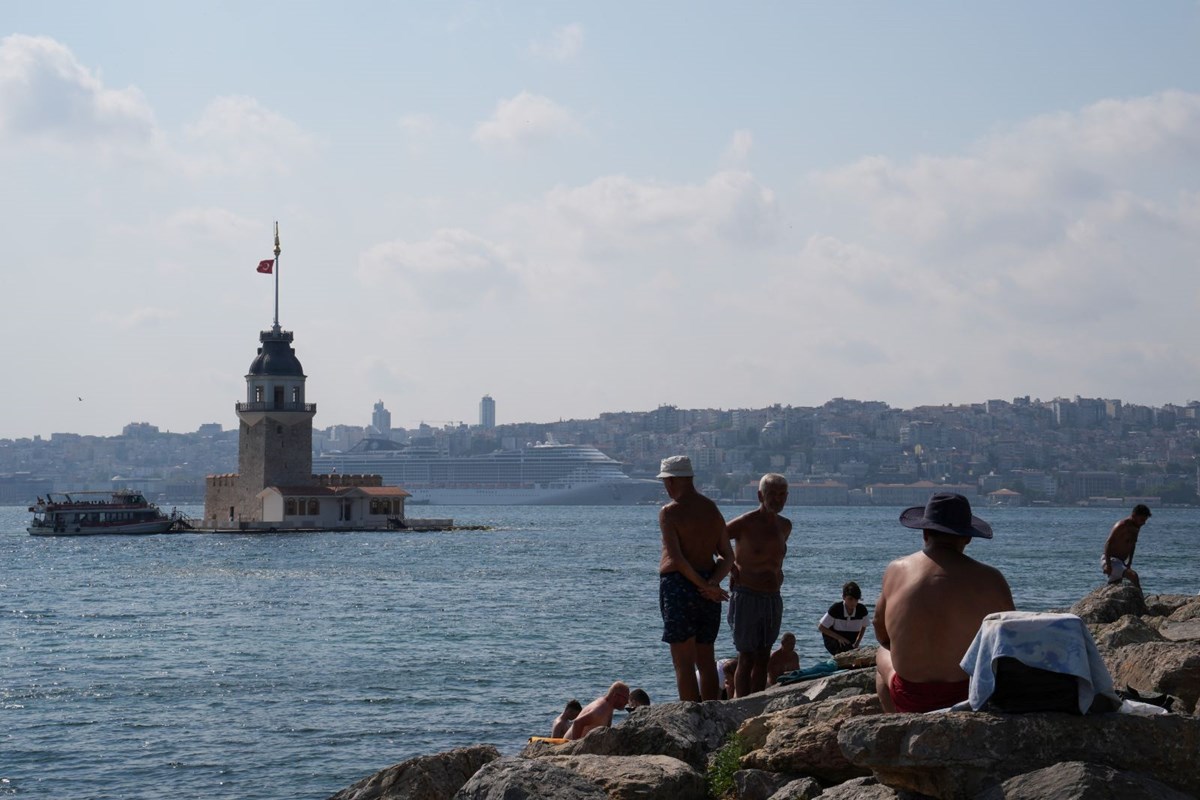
931	606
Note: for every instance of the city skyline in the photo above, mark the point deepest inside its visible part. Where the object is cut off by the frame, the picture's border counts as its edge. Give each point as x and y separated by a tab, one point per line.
578	209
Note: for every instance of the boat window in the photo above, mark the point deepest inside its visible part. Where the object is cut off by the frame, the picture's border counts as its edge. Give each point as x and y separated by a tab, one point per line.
314	508
290	507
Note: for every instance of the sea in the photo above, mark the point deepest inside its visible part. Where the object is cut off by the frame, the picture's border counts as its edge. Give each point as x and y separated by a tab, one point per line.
293	665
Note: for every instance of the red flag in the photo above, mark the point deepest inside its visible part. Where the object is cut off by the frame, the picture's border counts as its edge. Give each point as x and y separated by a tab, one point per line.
265	266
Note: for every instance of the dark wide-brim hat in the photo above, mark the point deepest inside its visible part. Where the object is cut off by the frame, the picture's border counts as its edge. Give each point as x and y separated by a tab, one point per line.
947	513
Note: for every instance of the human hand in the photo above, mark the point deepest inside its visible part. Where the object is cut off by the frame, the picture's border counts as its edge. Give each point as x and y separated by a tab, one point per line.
714	593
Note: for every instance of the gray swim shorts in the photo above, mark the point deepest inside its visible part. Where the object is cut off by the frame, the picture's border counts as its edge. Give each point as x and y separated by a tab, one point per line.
755	617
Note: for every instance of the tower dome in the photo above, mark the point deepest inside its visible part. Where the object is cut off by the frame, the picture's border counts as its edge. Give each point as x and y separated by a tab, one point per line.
276	356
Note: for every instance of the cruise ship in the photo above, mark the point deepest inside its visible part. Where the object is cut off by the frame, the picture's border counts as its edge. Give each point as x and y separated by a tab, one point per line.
546	473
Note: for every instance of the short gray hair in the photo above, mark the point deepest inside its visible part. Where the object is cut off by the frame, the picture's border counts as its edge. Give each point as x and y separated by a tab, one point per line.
772	478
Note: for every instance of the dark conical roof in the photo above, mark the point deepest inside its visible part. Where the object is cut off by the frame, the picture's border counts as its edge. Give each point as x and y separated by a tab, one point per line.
276	356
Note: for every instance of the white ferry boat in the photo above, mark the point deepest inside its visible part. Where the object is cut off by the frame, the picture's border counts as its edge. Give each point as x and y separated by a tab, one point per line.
538	474
91	513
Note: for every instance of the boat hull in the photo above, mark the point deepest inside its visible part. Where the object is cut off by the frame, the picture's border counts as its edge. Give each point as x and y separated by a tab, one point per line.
592	494
137	528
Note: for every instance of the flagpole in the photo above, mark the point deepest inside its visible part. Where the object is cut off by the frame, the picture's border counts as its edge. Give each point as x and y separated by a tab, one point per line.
276	274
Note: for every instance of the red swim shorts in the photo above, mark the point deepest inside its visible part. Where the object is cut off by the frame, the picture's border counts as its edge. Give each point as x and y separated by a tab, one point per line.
910	697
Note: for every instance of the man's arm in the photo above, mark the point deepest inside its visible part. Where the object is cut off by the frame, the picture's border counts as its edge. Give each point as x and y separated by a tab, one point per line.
725	563
880	623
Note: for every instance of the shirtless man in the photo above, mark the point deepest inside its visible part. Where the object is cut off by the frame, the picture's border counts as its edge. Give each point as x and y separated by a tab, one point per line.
785	659
755	606
599	712
689	579
564	720
931	606
1117	561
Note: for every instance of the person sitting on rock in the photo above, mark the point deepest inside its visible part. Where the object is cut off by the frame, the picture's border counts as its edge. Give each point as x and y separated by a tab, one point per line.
844	623
784	659
564	720
599	712
931	606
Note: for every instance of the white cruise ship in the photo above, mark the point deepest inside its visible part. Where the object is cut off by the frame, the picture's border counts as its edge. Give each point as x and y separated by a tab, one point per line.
537	474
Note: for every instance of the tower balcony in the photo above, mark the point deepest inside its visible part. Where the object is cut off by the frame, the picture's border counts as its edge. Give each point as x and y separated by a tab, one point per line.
266	406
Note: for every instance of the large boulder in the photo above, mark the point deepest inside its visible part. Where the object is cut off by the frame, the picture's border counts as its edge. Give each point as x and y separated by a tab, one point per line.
528	779
1076	780
1164	605
686	731
637	777
1110	603
1159	667
435	777
865	788
757	784
804	740
960	754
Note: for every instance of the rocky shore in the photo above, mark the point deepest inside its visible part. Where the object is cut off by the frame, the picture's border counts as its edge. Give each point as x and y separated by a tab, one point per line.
828	738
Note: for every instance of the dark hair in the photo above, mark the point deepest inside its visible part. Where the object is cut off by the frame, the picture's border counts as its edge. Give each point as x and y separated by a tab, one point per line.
641	696
851	590
573	703
1141	510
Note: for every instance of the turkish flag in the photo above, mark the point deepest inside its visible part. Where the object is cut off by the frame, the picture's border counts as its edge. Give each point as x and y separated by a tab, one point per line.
266	265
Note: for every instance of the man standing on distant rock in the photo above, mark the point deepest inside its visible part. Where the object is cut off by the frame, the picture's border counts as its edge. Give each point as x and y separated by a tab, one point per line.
930	608
1117	561
599	712
755	605
696	557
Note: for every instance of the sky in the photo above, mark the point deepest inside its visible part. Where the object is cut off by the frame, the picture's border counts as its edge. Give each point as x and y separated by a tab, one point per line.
589	207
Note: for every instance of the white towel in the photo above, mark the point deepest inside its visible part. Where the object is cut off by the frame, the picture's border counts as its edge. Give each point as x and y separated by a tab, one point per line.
1054	642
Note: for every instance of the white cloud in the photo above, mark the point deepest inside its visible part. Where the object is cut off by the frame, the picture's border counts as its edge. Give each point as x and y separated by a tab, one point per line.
564	44
738	151
237	135
525	120
48	97
452	269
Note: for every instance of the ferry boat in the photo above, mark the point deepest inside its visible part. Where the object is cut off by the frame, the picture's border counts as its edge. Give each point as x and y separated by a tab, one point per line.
91	513
544	473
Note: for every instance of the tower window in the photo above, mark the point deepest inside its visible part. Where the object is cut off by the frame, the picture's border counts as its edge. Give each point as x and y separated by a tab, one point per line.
258	394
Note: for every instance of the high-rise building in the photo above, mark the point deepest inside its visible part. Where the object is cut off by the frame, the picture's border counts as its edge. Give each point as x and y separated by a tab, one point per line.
487	412
381	419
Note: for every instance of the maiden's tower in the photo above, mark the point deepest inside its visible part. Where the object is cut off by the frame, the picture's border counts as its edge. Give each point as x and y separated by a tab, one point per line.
274	488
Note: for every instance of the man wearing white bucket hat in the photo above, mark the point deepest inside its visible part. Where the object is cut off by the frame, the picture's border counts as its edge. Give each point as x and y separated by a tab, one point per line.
696	557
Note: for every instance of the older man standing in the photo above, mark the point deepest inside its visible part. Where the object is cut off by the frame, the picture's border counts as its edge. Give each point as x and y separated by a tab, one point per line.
930	608
696	557
755	606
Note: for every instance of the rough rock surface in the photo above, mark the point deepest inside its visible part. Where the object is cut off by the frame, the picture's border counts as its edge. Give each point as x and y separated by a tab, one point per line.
528	779
637	777
862	789
1164	605
435	777
686	731
1110	603
956	755
1081	781
799	789
1159	667
1127	630
757	784
804	740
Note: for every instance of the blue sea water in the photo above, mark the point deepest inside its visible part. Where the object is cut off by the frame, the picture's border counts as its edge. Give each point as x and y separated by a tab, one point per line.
290	666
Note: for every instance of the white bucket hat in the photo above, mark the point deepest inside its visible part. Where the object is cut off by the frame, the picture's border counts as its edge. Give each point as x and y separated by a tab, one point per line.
676	467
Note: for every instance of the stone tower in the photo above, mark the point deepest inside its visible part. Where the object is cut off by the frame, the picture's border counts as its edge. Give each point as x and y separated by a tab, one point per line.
274	434
275	431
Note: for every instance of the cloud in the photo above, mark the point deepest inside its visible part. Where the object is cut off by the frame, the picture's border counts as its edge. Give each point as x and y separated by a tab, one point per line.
47	97
739	148
524	121
452	269
236	135
139	318
564	44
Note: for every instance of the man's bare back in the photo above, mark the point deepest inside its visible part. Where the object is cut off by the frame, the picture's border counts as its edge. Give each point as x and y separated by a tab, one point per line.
599	712
693	532
930	608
